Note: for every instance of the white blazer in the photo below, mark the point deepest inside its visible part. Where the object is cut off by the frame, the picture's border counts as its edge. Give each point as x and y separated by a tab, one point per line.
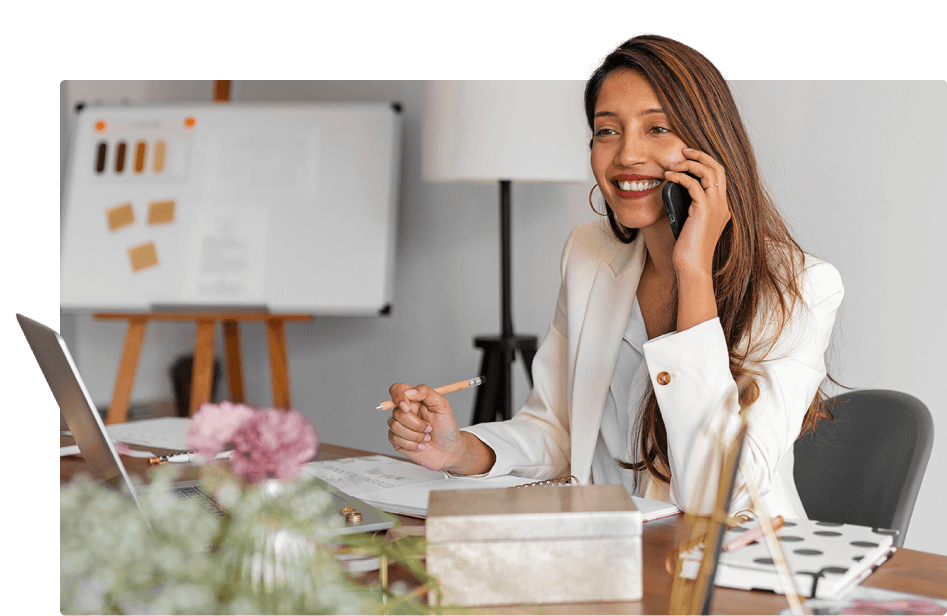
555	432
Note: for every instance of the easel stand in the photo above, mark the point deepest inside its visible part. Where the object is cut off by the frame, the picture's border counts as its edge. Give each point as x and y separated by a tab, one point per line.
202	375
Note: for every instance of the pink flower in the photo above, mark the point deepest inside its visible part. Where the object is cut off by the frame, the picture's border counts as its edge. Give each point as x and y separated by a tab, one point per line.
273	444
213	426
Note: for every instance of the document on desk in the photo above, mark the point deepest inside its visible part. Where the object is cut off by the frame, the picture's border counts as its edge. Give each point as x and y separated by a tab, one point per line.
397	486
163	432
402	487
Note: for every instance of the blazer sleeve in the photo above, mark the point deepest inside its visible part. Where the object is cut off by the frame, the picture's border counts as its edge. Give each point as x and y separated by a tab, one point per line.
536	443
698	396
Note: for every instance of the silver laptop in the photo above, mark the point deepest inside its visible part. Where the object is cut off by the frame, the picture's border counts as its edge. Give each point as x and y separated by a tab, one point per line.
89	432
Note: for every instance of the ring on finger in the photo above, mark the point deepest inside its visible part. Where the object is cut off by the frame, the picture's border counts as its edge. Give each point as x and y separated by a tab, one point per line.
711	186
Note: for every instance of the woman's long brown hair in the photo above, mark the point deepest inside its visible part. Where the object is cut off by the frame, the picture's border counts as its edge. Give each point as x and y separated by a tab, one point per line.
757	263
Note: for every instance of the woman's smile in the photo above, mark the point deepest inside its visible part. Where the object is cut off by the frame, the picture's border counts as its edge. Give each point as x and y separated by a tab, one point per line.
632	186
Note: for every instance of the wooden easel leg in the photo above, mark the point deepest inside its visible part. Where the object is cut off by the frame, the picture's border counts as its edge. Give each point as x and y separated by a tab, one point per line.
234	365
203	374
121	396
279	364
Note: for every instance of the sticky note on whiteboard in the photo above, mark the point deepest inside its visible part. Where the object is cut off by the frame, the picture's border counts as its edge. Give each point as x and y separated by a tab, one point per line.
120	216
143	256
160	212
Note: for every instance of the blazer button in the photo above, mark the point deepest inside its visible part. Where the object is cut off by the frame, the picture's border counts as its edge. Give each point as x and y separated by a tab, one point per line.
664	378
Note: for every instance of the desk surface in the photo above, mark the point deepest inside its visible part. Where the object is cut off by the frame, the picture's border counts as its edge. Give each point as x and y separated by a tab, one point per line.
906	571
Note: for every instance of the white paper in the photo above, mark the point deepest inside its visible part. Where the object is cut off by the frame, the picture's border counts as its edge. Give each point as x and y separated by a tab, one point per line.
164	432
397	486
403	487
360	476
73	450
227	247
654	509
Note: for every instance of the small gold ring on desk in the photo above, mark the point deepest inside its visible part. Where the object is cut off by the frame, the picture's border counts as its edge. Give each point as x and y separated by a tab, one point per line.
353	517
346	510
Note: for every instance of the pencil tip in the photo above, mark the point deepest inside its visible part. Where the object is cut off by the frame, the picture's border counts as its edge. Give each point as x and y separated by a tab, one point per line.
378	408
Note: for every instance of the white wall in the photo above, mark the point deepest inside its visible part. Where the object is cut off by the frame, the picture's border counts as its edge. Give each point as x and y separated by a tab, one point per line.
852	164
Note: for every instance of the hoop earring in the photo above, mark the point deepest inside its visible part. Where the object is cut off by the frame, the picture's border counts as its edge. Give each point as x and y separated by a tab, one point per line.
590	201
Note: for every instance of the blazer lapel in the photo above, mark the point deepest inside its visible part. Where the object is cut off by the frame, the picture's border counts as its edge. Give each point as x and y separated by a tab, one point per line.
606	316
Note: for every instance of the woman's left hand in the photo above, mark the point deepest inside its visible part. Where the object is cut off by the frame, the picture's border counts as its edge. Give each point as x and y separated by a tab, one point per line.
708	214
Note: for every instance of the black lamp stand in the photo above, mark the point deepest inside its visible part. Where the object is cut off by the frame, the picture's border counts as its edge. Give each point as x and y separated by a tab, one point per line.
495	396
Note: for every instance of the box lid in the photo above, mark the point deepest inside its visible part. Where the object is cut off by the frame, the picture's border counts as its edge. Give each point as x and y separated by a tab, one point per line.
531	513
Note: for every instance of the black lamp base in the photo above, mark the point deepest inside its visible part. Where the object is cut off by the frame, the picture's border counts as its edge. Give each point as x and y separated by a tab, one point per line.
494	397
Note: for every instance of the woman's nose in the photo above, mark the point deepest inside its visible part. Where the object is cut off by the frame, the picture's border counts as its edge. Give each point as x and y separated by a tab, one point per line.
632	151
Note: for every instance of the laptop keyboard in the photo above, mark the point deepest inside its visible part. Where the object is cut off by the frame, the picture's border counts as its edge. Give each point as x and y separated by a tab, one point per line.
202	498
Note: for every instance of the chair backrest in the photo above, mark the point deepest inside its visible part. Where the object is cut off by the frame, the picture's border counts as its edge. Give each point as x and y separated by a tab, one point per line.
866	467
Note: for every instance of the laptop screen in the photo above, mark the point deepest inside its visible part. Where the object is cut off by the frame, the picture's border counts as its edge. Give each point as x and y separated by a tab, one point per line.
75	404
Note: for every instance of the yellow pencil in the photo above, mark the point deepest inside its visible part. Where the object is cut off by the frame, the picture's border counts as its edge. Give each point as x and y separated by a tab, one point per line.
445	389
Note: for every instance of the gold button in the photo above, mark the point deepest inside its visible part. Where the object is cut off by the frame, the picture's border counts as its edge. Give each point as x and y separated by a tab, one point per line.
664	378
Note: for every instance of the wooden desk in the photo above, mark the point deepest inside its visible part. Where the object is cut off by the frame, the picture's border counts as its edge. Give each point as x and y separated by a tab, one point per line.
906	571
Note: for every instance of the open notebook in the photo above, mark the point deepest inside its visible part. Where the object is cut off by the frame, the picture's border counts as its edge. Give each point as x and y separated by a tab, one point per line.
402	487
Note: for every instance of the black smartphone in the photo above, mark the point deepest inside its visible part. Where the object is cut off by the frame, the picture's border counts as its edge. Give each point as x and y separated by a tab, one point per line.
676	202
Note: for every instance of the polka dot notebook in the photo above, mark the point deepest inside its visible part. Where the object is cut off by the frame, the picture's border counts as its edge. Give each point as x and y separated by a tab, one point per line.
826	559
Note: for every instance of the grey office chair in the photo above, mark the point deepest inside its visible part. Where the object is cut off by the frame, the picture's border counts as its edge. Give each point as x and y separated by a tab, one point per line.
866	467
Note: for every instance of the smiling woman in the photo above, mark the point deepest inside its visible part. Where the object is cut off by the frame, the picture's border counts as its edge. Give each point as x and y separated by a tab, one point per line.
671	101
652	334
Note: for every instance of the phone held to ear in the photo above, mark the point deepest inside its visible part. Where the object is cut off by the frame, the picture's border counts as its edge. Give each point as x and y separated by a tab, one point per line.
676	202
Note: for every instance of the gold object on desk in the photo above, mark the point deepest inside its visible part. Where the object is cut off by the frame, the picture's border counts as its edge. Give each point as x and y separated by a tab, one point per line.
695	598
706	531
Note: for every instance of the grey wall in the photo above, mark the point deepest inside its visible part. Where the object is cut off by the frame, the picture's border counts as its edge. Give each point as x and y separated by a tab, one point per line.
852	165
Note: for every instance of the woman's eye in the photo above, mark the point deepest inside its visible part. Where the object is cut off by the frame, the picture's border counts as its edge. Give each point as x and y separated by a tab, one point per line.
660	130
602	132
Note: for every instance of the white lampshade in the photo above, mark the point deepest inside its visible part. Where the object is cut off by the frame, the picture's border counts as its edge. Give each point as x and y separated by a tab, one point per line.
532	131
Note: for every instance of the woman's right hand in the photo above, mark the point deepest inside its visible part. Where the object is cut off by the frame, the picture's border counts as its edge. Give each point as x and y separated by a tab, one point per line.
422	427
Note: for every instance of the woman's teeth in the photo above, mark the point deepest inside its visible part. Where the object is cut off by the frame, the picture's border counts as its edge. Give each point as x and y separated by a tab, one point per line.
639	185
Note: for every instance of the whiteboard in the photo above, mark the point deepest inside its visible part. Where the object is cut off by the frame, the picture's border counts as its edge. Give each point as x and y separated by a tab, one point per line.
288	207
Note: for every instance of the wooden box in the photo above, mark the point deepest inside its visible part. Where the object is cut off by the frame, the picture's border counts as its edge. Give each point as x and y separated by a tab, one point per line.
534	545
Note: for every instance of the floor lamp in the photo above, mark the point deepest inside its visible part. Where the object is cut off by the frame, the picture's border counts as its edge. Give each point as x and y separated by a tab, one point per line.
503	131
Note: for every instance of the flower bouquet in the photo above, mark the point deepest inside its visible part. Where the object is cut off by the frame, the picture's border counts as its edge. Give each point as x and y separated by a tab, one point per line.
273	551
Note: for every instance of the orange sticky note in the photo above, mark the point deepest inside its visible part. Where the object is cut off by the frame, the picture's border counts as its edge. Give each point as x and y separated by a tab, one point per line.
143	256
160	212
120	216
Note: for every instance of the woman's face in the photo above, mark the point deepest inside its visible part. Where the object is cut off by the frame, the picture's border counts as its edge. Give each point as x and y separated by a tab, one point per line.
632	147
